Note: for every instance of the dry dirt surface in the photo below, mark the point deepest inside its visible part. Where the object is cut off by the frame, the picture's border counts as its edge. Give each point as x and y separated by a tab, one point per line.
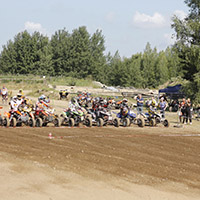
99	163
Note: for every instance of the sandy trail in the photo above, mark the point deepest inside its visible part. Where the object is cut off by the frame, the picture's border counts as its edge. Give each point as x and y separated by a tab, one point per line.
99	163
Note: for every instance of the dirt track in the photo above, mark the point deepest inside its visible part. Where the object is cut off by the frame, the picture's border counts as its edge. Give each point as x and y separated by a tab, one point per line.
99	163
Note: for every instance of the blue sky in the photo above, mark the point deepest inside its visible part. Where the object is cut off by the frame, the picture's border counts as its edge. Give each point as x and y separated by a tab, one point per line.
126	24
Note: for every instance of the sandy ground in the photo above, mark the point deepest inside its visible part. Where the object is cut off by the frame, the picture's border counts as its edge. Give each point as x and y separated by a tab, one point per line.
100	163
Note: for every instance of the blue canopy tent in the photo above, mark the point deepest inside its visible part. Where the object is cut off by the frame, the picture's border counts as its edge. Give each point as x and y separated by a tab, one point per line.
173	92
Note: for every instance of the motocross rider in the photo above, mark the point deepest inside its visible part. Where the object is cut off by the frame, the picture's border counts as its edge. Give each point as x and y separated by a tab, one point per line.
98	106
152	106
124	108
15	103
74	105
42	103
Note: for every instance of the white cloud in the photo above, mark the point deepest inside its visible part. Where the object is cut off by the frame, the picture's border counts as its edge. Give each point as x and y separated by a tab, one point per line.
170	40
110	17
32	27
180	14
146	21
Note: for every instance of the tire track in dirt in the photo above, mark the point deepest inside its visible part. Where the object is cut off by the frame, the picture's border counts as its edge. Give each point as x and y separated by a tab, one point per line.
136	155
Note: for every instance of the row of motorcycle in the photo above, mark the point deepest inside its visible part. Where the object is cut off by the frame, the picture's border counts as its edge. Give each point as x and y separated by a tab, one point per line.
101	115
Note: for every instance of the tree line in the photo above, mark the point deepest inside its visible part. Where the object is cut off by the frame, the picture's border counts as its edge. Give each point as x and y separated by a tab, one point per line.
81	55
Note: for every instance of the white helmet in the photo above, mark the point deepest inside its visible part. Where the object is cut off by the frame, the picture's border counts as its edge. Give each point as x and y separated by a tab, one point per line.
14	98
42	97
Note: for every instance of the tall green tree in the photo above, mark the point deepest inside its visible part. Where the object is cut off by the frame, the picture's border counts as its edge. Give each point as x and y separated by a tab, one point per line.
8	62
148	66
98	59
80	52
26	54
42	55
188	46
161	69
173	63
61	45
115	68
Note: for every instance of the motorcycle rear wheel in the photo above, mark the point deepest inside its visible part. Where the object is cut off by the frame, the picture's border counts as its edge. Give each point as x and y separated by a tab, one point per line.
71	122
38	122
116	122
88	122
100	122
32	122
152	122
13	122
166	123
6	122
126	122
140	122
57	122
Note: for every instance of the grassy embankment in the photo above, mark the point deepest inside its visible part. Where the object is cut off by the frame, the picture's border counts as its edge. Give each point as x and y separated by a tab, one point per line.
37	85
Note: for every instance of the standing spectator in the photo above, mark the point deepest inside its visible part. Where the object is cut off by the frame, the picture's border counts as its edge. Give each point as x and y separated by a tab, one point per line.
140	103
4	94
164	97
188	113
162	106
183	110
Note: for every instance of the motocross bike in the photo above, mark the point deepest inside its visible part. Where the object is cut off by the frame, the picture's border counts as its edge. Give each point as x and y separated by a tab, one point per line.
152	118
17	118
102	116
46	116
1	119
127	118
79	116
66	119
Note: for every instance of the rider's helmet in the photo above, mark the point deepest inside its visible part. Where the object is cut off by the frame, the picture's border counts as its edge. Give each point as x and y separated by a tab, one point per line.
14	99
101	101
21	92
19	96
97	99
153	103
42	98
125	101
47	100
73	100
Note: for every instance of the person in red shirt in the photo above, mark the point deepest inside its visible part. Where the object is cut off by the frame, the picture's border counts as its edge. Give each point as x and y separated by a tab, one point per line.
183	110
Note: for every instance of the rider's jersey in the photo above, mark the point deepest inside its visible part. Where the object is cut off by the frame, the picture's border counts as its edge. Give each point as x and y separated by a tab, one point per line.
4	91
74	106
41	105
14	105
